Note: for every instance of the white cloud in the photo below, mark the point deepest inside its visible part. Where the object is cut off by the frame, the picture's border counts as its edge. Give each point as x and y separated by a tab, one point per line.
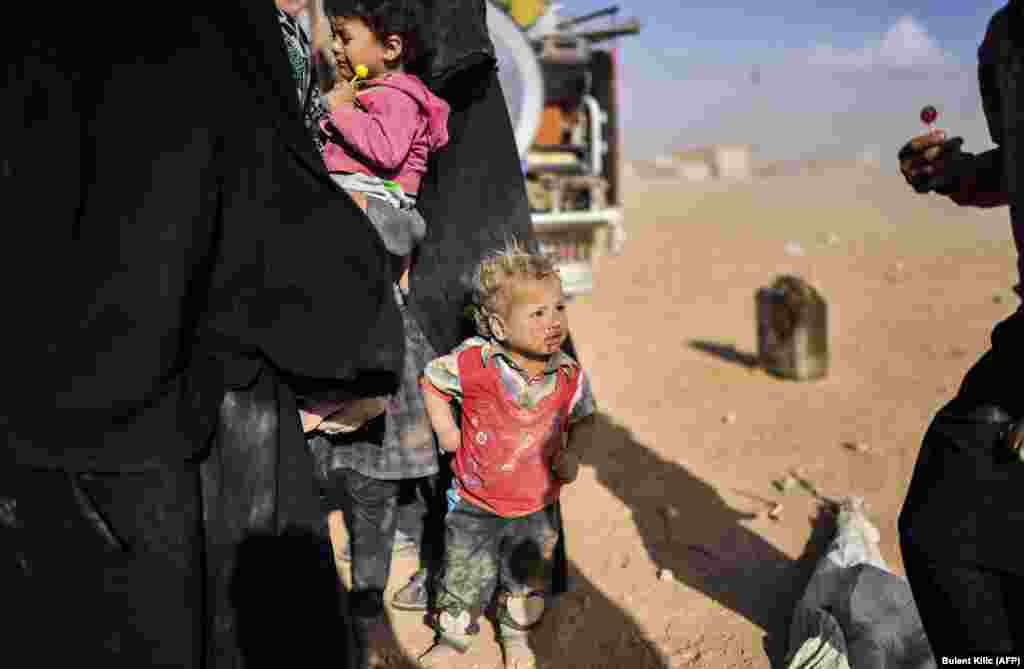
906	44
823	102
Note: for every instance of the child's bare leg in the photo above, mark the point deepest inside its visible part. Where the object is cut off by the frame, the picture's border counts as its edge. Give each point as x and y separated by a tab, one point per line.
403	281
359	198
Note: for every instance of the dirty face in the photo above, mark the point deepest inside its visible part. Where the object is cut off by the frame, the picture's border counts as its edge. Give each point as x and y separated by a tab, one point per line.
535	323
355	44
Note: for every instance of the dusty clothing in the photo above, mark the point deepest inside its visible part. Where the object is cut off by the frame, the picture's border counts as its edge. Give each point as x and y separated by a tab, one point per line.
397	445
390	132
509	434
121	555
372	514
485	553
473	197
370	508
392	211
443	375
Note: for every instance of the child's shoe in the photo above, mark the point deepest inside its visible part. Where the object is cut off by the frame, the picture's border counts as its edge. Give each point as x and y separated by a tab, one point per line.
518	615
452	641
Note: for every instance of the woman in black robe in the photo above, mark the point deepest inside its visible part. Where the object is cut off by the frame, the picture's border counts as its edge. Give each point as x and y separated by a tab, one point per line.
174	254
964	510
174	258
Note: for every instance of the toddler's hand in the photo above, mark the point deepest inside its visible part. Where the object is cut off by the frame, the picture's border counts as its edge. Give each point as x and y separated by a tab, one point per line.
566	465
929	162
341	94
343	71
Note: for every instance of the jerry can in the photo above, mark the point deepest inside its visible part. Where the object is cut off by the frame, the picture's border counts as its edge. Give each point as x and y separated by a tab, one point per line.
792	329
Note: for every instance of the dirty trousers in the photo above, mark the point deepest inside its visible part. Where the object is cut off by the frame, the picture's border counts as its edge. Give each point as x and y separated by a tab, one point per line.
485	552
370	508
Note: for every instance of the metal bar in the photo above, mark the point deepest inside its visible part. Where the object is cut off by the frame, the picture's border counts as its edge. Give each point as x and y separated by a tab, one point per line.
568	23
573	218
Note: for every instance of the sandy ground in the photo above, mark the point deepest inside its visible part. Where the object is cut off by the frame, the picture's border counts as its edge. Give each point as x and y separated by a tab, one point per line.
914	285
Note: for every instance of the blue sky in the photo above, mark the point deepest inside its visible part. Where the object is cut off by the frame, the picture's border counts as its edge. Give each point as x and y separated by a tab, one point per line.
838	79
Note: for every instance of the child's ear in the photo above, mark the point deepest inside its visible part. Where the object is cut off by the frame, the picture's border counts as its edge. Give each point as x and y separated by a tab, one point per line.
497	327
393	47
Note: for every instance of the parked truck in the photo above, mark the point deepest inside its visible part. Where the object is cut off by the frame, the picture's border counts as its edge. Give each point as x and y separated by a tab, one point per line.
561	83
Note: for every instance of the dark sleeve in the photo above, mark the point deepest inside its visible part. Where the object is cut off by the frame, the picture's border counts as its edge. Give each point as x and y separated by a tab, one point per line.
982	176
986	175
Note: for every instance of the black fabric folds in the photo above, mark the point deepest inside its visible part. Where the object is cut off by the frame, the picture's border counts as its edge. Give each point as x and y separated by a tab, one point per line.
473	199
175	232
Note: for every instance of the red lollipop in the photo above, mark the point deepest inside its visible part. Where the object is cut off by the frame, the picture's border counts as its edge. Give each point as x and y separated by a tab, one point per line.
928	116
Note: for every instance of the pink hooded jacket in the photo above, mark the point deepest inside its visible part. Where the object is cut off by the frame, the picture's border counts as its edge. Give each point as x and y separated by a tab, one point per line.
389	133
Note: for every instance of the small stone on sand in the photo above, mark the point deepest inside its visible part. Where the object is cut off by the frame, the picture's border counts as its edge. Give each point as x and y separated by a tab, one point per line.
858	446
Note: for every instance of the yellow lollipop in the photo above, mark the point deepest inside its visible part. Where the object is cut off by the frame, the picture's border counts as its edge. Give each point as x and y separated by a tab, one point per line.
361	73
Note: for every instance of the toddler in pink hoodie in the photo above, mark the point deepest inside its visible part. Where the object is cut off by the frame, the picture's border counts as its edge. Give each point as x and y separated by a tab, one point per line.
377	138
370	451
382	126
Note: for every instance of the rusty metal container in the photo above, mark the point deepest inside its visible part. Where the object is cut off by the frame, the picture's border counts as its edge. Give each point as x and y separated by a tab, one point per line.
792	330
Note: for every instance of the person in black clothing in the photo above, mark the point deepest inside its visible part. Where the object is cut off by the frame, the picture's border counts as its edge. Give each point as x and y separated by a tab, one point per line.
173	267
964	503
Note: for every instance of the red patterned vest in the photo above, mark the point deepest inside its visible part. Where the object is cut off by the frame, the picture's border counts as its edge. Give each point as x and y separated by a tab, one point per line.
504	463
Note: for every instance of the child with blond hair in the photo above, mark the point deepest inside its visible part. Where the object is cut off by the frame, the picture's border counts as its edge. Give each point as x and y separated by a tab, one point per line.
524	405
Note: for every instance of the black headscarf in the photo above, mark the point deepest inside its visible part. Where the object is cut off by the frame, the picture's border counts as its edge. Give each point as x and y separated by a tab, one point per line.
473	196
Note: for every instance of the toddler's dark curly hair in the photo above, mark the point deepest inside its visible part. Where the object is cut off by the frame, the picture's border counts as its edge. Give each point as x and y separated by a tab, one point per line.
406	18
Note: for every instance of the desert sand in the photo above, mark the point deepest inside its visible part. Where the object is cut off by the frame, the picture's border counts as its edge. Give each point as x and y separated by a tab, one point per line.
693	435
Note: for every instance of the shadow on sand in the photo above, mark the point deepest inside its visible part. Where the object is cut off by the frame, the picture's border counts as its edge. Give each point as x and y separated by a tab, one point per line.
729	353
705	544
291	603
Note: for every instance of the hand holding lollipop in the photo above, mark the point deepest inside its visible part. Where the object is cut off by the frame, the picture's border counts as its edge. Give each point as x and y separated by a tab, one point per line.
341	94
928	162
